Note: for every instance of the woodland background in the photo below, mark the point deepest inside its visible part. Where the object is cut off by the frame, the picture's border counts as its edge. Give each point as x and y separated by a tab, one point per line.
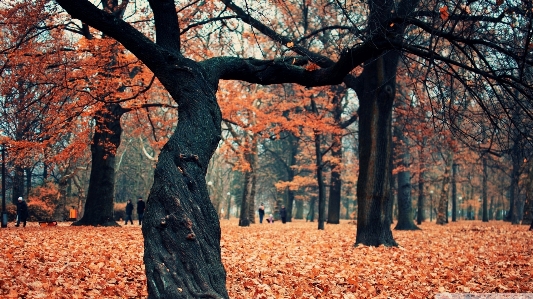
83	122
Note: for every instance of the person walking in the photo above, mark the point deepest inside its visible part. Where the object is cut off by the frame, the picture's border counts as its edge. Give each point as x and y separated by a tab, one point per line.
140	209
22	212
283	214
261	212
129	211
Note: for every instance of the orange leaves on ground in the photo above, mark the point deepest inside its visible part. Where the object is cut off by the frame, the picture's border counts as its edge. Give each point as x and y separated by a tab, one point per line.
294	260
444	13
297	261
71	262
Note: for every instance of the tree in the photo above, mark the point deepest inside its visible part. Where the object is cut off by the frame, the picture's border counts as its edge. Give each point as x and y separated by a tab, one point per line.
182	252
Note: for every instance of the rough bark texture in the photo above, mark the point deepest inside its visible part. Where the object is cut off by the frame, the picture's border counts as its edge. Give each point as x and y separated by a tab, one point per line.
106	139
375	149
181	227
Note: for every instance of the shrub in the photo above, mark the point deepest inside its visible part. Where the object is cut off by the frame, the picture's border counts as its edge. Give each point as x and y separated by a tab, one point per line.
119	211
39	211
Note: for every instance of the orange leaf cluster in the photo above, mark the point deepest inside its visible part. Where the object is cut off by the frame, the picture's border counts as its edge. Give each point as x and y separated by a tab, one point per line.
444	13
276	261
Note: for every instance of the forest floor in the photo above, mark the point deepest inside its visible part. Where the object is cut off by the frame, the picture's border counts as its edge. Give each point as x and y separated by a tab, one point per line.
294	260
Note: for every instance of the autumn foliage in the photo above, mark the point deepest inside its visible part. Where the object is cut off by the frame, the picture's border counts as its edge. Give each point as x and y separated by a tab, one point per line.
276	261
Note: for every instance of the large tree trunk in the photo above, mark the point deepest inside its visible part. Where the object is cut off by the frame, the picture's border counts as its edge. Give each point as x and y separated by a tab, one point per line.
98	209
181	228
376	97
18	184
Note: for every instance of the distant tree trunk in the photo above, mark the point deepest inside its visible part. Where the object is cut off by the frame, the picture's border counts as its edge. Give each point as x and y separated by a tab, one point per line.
421	194
512	215
311	212
319	173
253	178
454	192
334	201
484	191
18	184
28	181
443	200
334	204
98	209
243	215
293	144
405	209
299	209
376	95
528	205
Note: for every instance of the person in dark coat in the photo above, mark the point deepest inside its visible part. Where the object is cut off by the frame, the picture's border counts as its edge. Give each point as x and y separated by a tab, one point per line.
261	212
129	211
22	212
140	209
283	214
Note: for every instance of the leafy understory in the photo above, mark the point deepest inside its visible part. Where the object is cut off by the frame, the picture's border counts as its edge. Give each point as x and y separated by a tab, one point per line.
276	261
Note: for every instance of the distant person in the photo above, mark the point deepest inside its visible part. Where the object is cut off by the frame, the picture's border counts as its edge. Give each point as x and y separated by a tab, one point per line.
22	212
261	212
129	211
140	209
283	214
270	219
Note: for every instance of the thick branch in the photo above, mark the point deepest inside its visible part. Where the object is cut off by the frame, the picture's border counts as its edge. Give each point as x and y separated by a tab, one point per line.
166	24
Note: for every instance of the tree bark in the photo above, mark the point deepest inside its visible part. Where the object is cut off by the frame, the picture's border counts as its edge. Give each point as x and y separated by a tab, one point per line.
375	149
454	192
512	215
528	205
420	217
98	209
18	184
484	191
405	209
442	208
334	204
181	227
334	200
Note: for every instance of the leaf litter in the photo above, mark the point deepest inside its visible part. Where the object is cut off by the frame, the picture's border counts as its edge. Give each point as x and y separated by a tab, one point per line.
294	260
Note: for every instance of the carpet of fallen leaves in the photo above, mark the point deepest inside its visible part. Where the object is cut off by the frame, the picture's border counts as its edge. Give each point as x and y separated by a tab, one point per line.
294	260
